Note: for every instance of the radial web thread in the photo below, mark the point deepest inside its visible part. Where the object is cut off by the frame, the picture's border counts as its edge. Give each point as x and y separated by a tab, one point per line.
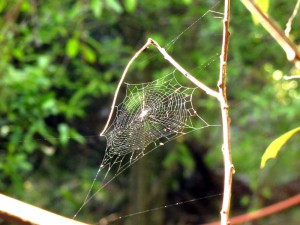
150	115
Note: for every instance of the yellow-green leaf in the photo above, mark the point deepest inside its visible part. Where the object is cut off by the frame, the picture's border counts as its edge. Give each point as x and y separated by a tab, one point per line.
130	5
88	54
114	5
275	146
72	47
96	6
264	7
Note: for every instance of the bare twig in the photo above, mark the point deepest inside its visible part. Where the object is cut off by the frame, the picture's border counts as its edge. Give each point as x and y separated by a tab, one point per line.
290	21
291	77
226	149
267	211
150	41
220	95
21	213
199	84
120	83
290	48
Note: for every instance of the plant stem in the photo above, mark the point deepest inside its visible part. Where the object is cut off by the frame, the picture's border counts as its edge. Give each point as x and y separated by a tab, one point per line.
228	166
290	48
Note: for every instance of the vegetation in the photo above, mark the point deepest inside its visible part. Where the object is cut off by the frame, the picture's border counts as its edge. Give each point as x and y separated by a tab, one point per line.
60	64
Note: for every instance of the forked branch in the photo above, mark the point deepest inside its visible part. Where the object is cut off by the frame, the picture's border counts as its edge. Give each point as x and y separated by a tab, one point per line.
221	96
150	41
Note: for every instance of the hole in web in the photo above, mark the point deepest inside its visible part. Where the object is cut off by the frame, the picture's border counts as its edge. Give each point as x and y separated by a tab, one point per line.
150	115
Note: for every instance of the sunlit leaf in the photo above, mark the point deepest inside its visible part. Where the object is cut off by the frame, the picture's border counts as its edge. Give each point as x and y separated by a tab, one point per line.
96	6
264	7
275	146
72	47
63	133
187	1
2	5
130	5
88	54
114	5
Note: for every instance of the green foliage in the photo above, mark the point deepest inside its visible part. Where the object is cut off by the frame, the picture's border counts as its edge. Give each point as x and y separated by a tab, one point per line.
48	78
130	5
60	64
276	145
97	7
181	156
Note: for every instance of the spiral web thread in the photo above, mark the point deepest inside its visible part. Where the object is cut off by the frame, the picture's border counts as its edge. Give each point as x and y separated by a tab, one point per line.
150	115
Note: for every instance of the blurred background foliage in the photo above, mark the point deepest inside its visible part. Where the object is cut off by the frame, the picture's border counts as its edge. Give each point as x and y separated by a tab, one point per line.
59	67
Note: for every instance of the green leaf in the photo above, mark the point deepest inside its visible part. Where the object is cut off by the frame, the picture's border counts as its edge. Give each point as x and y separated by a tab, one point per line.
114	5
275	146
3	4
130	5
72	47
96	6
63	133
88	54
187	2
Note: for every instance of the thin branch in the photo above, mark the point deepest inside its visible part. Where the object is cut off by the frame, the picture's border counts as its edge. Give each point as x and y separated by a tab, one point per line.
291	77
199	84
290	21
22	213
267	211
150	41
221	96
120	83
290	48
226	148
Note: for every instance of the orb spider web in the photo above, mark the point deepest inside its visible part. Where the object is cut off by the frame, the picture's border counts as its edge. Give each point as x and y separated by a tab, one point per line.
150	115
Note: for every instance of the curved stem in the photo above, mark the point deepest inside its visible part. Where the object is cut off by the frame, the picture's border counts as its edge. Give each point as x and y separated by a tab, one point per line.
150	41
120	83
267	211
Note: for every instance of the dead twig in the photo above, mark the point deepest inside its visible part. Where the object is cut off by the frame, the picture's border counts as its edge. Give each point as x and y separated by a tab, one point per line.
24	214
269	210
290	48
226	148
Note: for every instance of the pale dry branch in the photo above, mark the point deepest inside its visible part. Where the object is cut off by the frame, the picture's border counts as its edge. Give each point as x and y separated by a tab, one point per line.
24	214
291	77
120	83
150	41
290	20
264	212
195	81
226	148
290	48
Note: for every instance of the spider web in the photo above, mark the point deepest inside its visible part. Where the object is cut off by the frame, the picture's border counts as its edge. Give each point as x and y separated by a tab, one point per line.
150	115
